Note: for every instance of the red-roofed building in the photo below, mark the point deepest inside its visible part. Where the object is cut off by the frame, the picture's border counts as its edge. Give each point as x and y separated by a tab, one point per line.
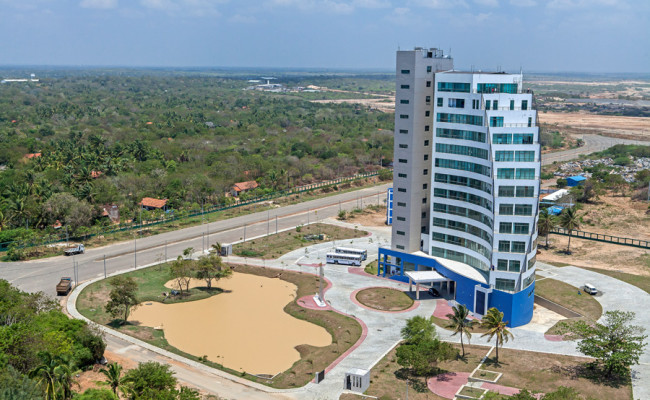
150	203
32	155
95	174
112	212
241	187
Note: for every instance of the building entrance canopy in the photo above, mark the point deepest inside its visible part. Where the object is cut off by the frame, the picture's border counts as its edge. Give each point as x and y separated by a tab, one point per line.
424	277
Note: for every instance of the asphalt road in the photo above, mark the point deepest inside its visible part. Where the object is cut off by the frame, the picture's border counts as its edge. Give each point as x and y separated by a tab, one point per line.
593	143
44	274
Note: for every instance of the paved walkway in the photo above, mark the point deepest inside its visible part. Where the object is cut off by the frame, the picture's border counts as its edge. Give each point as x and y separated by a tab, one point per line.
616	295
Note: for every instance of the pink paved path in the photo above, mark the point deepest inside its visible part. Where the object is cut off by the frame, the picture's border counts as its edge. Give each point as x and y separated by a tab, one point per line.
443	308
554	338
353	297
446	385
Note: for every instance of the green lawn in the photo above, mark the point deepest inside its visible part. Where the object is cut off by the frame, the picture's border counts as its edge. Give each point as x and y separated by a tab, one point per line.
276	245
640	281
384	299
371	268
569	296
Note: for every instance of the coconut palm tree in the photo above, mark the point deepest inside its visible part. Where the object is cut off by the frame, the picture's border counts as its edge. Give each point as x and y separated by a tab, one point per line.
459	323
113	376
569	220
493	322
546	224
54	373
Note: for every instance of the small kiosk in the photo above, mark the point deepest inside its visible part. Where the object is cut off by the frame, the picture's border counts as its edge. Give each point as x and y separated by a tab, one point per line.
357	380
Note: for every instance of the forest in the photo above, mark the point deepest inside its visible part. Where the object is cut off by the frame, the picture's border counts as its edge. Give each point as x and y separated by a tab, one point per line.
78	140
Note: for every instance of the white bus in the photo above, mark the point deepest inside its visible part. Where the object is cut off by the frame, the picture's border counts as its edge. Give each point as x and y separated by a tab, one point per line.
349	250
347	259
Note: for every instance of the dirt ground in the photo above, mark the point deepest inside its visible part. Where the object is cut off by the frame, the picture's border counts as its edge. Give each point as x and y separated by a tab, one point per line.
636	128
385	104
369	217
245	328
89	379
611	215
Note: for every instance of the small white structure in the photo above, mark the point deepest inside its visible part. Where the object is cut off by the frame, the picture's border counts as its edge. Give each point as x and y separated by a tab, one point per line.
424	277
357	380
226	250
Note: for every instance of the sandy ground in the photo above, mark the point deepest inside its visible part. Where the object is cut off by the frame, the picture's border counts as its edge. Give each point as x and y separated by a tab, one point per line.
637	128
244	329
612	215
370	218
89	379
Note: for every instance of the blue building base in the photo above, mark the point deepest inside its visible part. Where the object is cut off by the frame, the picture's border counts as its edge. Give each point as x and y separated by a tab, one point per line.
517	307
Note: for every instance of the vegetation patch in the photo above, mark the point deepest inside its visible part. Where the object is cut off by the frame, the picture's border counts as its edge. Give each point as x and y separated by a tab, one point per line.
371	268
384	299
345	331
485	375
275	245
474	393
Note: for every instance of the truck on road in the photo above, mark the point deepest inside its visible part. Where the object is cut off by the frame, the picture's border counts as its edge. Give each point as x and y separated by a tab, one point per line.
78	249
64	286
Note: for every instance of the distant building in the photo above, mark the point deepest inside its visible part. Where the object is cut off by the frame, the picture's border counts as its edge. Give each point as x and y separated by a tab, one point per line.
466	185
112	212
575	180
29	156
149	203
242	187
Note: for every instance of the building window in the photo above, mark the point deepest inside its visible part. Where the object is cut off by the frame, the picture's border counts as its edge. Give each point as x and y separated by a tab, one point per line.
405	87
428	83
504	156
521	228
404	116
401	233
406	71
505	209
399	246
488	103
522	138
423	229
506	191
512	104
425	186
403	146
505	173
426	142
426	157
460	134
427	99
428	68
456	103
426	128
495	105
439	101
403	160
497	88
424	200
401	175
525	173
504	246
424	214
425	172
529	280
524	104
518	247
461	119
464	181
525	191
453	87
403	190
530	121
403	101
502	138
505	227
462	150
427	113
524	156
400	204
502	265
514	266
403	131
524	209
496	122
504	284
463	166
401	219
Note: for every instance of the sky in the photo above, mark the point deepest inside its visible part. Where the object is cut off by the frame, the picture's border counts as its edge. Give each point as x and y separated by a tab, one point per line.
535	35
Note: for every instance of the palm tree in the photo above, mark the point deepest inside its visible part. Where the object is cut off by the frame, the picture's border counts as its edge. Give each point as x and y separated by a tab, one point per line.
113	376
493	322
216	248
459	323
50	373
569	221
546	224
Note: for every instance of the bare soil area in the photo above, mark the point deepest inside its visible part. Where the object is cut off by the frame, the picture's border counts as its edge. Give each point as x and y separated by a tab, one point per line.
636	128
371	217
385	104
611	215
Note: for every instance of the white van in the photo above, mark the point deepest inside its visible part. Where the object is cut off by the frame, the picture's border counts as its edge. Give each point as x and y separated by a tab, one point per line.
591	289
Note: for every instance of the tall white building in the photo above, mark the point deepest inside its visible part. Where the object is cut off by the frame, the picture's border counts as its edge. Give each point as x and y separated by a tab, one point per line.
466	184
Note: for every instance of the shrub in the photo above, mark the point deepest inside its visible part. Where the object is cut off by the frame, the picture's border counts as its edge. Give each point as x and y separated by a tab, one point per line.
561	183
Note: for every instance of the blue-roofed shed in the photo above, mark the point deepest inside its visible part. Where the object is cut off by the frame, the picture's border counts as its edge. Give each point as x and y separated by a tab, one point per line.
575	180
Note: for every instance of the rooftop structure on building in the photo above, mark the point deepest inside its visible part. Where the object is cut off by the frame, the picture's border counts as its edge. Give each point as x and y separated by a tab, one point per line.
466	183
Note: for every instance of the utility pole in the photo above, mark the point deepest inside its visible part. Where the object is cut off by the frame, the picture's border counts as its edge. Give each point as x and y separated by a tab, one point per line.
165	251
244	233
135	251
276	224
268	216
203	242
104	266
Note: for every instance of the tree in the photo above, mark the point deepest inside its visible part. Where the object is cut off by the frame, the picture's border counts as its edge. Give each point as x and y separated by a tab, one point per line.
216	248
587	191
561	183
418	329
181	272
546	224
113	376
210	268
56	374
97	394
459	323
147	379
123	297
67	209
615	344
569	220
616	183
497	328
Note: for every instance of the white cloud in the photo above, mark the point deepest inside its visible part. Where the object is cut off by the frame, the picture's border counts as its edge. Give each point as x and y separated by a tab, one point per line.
487	3
523	3
100	4
196	8
328	6
242	19
566	4
439	4
371	3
